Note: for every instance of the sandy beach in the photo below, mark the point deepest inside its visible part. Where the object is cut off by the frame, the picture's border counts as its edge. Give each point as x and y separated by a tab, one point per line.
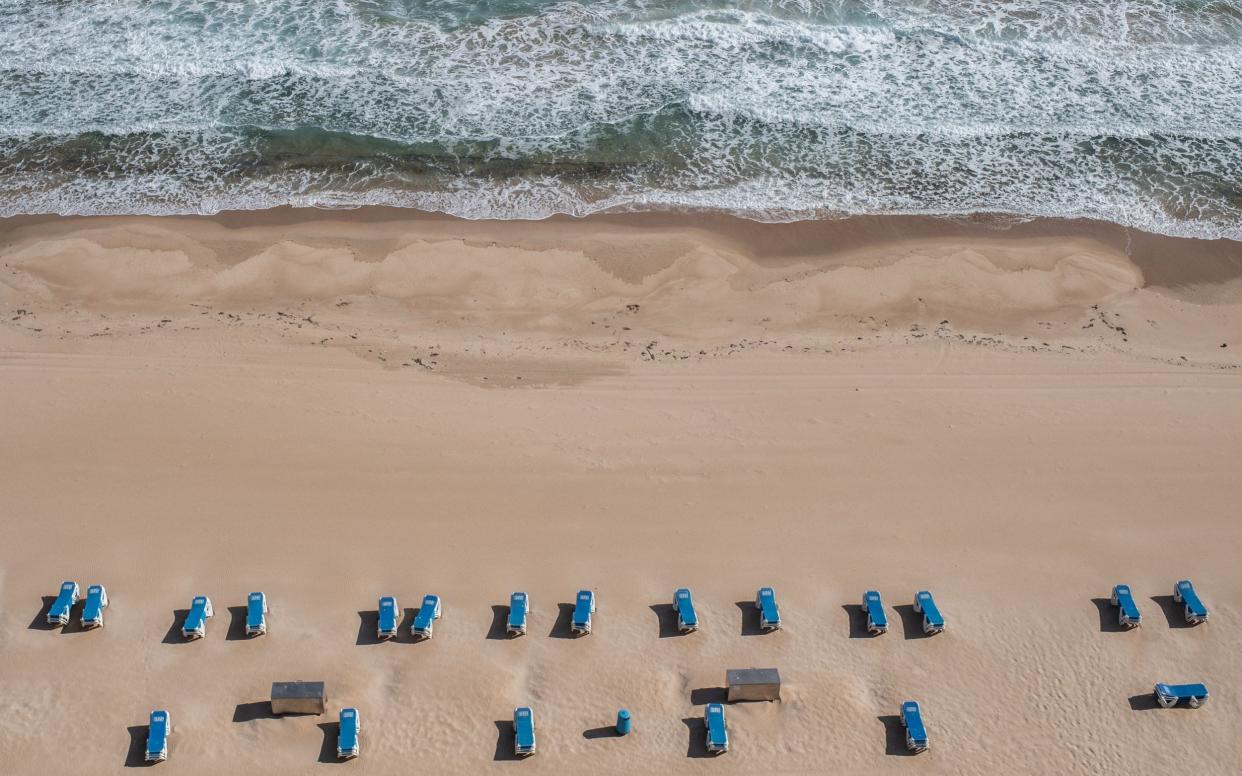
335	406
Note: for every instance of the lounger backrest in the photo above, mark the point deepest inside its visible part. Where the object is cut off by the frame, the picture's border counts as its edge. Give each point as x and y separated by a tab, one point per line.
523	725
582	610
158	732
875	609
1190	597
517	608
913	717
348	729
715	722
388	613
685	605
930	610
767	603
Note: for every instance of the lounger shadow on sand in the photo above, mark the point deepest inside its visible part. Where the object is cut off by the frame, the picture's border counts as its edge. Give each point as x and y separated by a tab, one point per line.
505	737
561	629
367	622
1108	616
327	749
697	746
894	731
498	630
1174	612
237	624
1143	702
911	622
40	621
666	617
750	618
857	620
173	636
136	757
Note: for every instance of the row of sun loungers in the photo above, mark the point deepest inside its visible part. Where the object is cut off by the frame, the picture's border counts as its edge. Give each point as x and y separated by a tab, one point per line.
1129	616
195	624
716	739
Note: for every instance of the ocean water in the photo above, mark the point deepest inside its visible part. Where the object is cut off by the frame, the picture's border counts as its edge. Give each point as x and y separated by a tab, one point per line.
1123	110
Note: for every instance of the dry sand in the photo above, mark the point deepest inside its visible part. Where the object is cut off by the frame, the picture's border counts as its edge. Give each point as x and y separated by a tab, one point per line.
332	407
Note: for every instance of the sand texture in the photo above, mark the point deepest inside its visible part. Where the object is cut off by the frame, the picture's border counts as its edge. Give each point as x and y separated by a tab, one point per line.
334	407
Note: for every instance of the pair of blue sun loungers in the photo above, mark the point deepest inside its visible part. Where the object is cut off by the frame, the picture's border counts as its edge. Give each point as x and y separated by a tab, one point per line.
159	730
424	623
688	618
61	610
924	604
201	610
579	621
1129	616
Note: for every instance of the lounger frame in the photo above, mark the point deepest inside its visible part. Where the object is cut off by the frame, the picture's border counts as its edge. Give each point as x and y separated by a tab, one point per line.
768	621
519	611
525	741
1128	614
93	610
429	611
388	608
260	628
580	621
160	724
1184	593
344	736
61	610
873	608
715	723
687	615
195	625
933	620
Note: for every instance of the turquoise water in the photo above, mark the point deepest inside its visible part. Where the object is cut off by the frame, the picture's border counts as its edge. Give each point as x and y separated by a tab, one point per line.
1123	111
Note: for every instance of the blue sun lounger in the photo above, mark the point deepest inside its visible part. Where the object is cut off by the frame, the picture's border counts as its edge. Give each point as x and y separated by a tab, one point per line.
347	745
157	736
687	618
425	620
195	625
769	613
924	604
66	599
1128	614
912	721
877	621
1169	695
519	607
523	731
580	623
96	602
1184	593
389	618
717	733
256	614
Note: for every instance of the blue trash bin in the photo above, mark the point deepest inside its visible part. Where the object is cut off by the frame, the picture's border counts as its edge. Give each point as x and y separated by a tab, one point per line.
623	722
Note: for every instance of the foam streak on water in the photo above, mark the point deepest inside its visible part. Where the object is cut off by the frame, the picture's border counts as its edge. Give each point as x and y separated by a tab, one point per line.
774	110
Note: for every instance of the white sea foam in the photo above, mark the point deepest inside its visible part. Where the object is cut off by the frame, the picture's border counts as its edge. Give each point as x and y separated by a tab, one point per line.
1130	112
